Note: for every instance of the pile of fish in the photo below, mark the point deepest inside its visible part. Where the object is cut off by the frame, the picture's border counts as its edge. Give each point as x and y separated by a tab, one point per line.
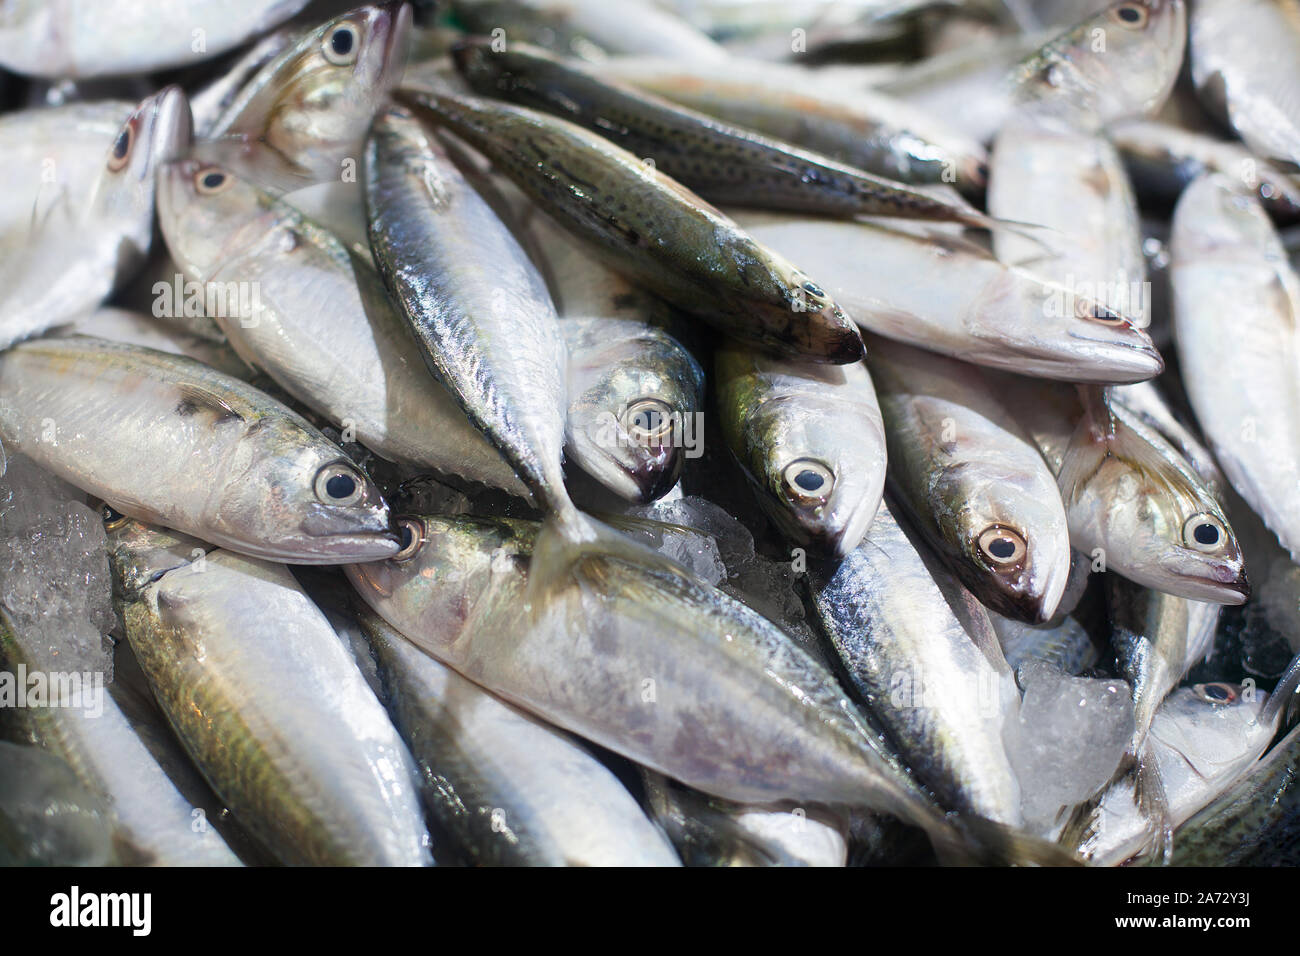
616	432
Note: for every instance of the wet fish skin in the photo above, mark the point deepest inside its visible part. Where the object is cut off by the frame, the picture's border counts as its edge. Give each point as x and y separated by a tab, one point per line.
981	311
270	706
609	198
84	244
304	115
786	422
220	459
973	482
1228	264
324	328
1119	63
512	790
58	38
137	328
723	163
480	310
941	698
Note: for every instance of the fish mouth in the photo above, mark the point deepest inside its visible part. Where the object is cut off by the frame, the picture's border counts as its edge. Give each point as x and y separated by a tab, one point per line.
390	26
355	548
645	475
1196	578
169	127
840	342
1117	362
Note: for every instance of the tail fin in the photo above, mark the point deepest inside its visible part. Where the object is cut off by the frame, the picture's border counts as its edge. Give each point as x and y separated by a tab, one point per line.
976	841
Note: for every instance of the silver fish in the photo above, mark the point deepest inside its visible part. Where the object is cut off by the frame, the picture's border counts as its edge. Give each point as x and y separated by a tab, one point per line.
1236	307
973	481
268	703
146	331
511	790
167	440
786	424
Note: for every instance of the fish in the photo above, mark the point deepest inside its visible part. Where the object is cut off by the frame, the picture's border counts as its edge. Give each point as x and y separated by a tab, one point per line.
865	129
47	817
712	832
720	162
322	325
1134	504
590	29
1203	737
785	423
137	328
509	789
208	103
67	244
973	483
267	702
1148	403
627	210
1227	261
1074	184
978	309
151	823
1162	160
675	675
167	440
1121	62
1239	52
60	38
942	693
1253	822
302	119
1063	643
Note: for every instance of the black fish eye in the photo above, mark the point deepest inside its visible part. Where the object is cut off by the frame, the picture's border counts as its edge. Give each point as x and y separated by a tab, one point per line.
1206	534
1130	14
341	42
1001	545
213	180
1218	693
340	46
809	480
121	150
411	533
648	420
340	486
121	143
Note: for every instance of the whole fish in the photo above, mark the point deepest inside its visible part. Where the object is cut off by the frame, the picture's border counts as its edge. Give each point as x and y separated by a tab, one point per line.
1241	56
509	789
73	231
1132	501
47	816
1227	260
723	163
866	129
712	832
168	440
323	327
1119	63
1254	822
151	822
590	29
764	722
1073	183
303	117
975	485
65	38
268	703
786	423
942	693
1163	160
1203	739
960	301
652	229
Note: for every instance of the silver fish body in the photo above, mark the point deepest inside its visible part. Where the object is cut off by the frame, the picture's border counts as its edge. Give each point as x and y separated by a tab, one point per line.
167	440
270	705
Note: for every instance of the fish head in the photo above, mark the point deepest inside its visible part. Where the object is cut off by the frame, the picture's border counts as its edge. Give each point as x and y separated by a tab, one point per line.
298	498
1056	333
156	132
139	553
202	210
831	334
1205	735
820	490
1158	523
1011	534
448	571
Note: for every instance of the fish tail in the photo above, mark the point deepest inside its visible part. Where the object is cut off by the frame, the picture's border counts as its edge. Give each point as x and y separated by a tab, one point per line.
977	841
1031	231
1283	694
1153	804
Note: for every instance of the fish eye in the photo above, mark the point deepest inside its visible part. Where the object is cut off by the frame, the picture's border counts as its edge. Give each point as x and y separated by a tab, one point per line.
411	533
1001	545
113	519
808	481
210	180
813	288
339	484
1217	693
340	46
120	154
1204	532
648	420
1094	312
1131	15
